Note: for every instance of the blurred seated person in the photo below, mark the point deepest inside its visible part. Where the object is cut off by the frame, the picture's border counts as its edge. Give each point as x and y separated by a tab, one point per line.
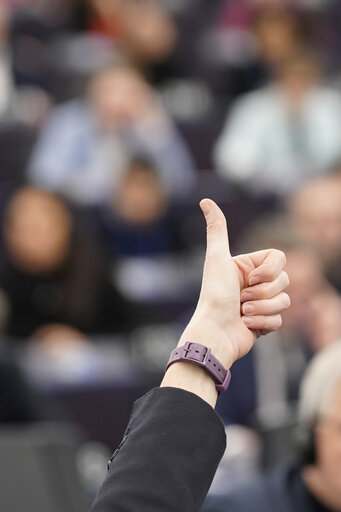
312	481
144	239
137	221
254	37
279	137
51	272
87	141
316	211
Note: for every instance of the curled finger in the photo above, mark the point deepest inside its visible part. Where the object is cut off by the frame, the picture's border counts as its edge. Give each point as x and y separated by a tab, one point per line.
271	306
271	267
266	290
263	324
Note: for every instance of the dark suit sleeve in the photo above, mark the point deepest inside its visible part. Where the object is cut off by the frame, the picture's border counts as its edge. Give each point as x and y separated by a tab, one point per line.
168	457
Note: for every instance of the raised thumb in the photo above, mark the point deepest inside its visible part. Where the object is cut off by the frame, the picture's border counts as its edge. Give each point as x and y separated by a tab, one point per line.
217	236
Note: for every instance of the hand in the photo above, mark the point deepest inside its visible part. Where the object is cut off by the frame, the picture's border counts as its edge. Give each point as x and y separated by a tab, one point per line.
254	280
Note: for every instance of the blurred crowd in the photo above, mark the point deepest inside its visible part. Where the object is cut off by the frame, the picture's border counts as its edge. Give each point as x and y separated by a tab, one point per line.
116	118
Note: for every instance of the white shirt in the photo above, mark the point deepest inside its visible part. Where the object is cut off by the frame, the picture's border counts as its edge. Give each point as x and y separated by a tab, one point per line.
268	148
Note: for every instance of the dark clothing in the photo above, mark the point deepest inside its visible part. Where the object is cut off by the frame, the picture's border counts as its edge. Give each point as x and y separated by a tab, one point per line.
79	293
163	236
18	402
168	456
283	491
239	404
68	294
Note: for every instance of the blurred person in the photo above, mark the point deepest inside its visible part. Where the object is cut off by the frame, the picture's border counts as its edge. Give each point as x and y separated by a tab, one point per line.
276	27
325	319
145	244
51	271
313	321
279	137
138	220
312	481
254	38
314	301
143	30
86	142
279	32
316	211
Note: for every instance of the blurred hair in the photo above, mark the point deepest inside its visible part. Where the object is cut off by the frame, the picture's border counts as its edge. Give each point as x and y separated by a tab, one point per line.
319	383
298	21
141	162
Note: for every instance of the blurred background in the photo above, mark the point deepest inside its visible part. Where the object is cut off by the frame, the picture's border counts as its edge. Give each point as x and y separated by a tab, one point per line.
116	118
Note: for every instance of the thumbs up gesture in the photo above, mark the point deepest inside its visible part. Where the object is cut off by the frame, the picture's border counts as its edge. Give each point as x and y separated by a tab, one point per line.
241	297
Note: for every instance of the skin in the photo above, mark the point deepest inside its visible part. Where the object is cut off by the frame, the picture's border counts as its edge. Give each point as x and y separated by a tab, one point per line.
37	231
230	288
140	199
324	478
316	211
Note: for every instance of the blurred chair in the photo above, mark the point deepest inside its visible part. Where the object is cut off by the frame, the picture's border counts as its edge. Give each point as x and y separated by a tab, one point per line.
38	470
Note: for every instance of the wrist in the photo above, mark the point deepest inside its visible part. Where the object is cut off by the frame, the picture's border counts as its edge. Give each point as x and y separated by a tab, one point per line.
208	334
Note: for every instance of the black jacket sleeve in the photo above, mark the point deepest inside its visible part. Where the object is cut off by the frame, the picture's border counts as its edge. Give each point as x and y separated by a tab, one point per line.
168	456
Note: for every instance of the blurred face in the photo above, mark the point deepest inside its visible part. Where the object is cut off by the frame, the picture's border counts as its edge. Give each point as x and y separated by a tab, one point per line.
317	214
149	32
324	322
306	281
141	199
37	231
277	37
119	96
328	447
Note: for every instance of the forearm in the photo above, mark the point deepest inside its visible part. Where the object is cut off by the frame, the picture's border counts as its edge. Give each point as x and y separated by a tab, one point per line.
173	446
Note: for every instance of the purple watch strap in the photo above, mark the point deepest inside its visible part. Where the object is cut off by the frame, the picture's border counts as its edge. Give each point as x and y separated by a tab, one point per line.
202	356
